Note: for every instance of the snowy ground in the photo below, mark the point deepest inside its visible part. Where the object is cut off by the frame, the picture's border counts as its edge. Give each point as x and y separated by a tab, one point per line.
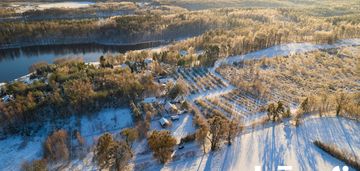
280	145
179	129
15	150
142	155
269	147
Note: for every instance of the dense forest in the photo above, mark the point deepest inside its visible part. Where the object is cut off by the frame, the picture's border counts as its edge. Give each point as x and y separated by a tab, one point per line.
121	29
239	30
98	10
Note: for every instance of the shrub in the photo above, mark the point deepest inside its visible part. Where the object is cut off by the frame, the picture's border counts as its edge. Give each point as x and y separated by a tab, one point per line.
218	128
113	154
178	89
339	154
277	111
56	146
188	138
162	144
130	135
36	165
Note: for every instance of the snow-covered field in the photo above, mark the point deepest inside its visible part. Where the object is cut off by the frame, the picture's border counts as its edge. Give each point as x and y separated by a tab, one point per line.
280	145
15	150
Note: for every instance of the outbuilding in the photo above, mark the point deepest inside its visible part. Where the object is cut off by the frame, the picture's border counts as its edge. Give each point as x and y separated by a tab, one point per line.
171	108
164	122
7	98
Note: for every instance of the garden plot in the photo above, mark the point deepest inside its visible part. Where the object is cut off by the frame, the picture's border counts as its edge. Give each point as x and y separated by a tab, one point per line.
233	104
288	99
250	103
200	80
208	108
291	79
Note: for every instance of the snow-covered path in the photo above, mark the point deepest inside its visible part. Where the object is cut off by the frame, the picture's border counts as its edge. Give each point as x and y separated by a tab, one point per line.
281	145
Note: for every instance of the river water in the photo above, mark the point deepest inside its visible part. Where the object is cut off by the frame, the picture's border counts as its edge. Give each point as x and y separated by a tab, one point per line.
15	62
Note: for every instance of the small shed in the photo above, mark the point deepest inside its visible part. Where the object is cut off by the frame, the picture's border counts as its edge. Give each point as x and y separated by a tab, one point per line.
7	98
164	122
171	108
148	61
165	80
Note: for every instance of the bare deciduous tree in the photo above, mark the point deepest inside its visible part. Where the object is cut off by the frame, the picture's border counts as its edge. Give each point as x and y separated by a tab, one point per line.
218	128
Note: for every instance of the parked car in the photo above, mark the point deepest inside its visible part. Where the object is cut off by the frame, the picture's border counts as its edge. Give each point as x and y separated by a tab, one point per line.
181	145
184	111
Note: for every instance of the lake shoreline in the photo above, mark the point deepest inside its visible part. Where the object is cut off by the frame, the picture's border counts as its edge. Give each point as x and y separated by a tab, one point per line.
70	43
23	57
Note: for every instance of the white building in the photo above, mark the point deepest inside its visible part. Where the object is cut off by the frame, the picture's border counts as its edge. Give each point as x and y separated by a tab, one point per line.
124	66
171	108
149	63
7	98
165	80
164	122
